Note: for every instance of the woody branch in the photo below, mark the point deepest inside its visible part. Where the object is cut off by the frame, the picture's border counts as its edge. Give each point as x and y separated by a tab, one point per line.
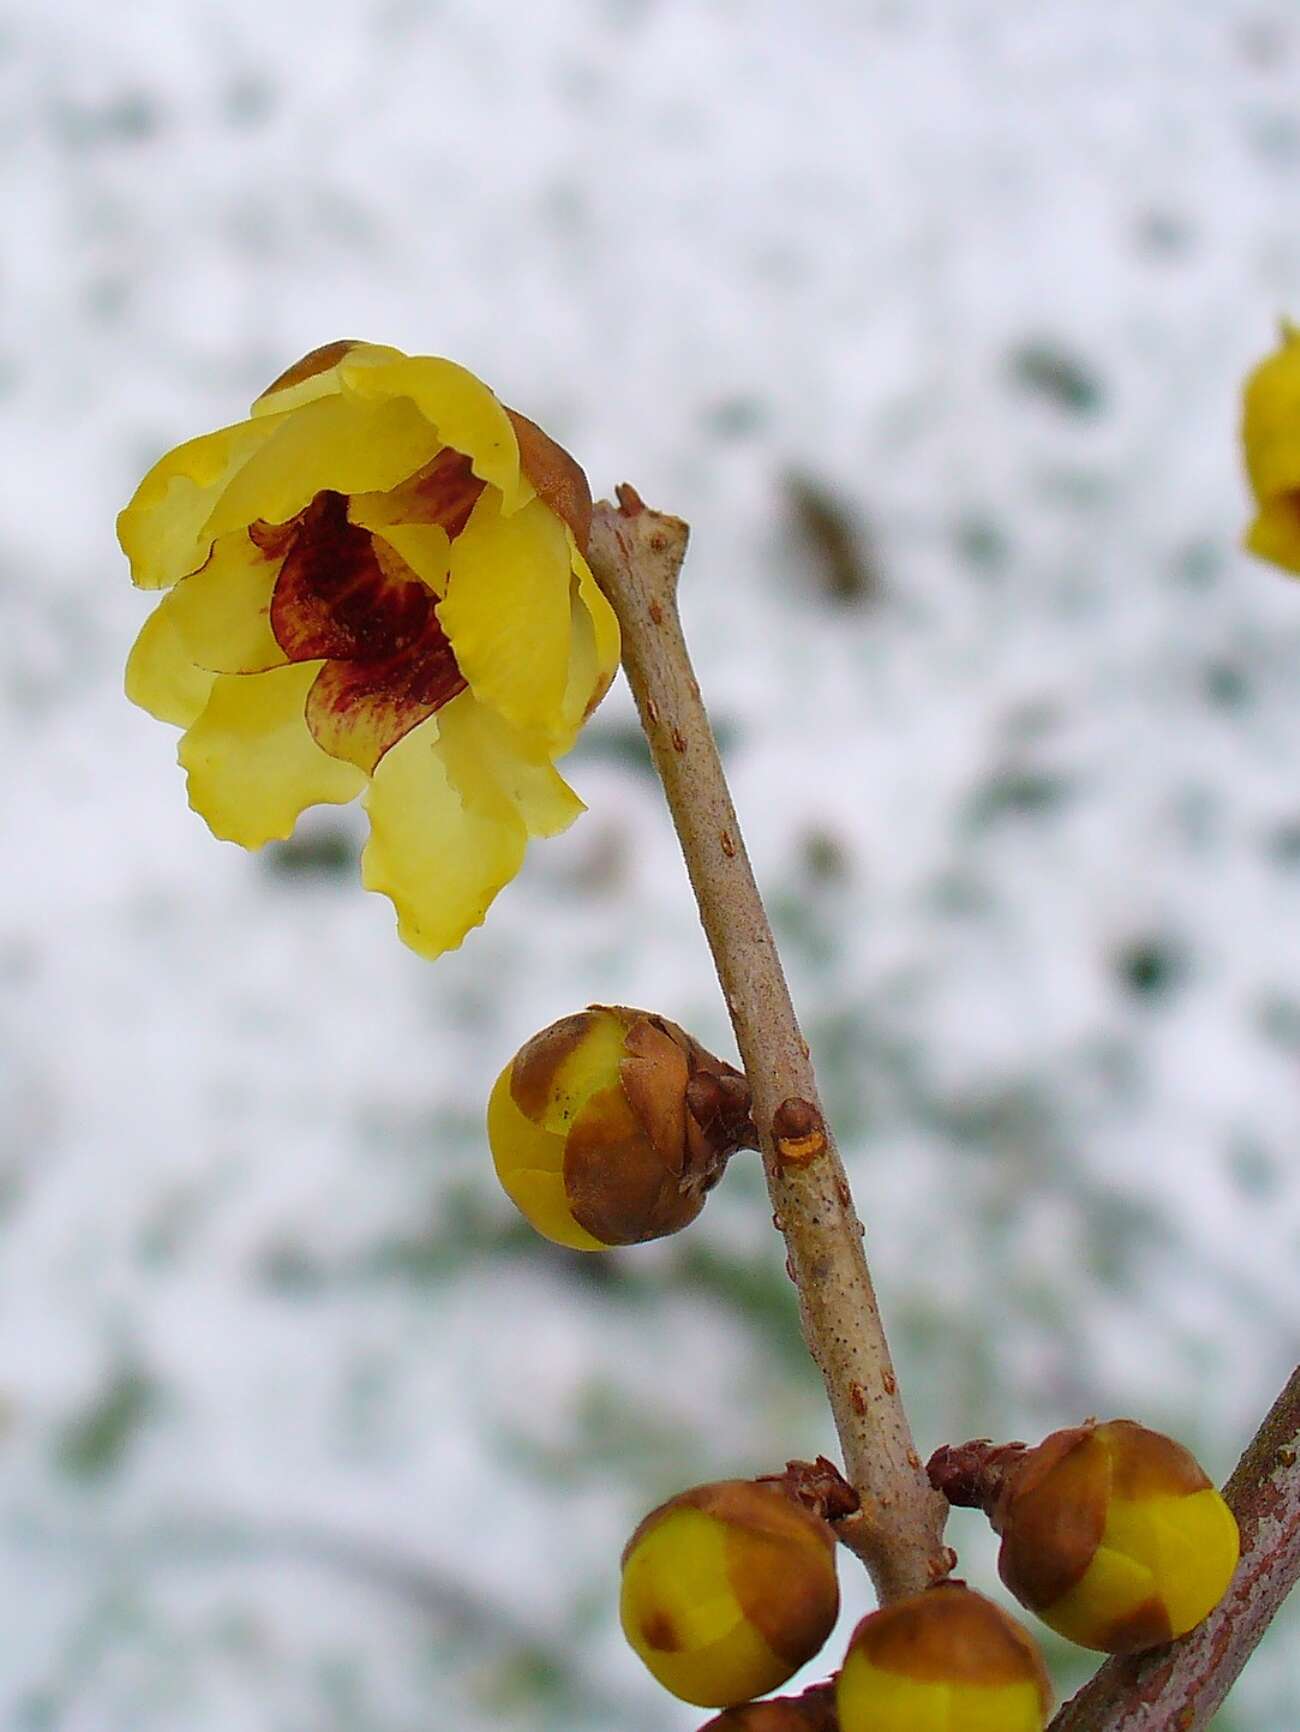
637	555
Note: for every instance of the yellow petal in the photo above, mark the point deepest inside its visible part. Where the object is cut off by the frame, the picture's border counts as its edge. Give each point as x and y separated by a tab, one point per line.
253	764
222	611
440	851
160	675
450	815
1271	422
1190	1545
589	1067
680	1613
869	1699
335	444
517	1143
604	619
318	374
534	787
162	530
1110	1590
424	547
507	613
594	644
466	414
529	1162
1275	533
543	1202
358	710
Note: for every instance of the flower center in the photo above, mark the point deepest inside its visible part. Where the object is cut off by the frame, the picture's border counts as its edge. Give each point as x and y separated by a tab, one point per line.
344	596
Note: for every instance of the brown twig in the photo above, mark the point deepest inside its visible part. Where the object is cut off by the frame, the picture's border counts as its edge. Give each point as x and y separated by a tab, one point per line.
636	555
1177	1688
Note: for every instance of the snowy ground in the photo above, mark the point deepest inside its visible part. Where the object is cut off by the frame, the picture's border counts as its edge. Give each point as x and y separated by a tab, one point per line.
297	1429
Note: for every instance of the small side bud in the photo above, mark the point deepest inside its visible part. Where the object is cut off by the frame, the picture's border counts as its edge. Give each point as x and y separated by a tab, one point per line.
610	1127
798	1132
1114	1536
819	1486
727	1590
946	1660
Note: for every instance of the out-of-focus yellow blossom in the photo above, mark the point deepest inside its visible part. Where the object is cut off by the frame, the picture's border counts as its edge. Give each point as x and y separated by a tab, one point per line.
1271	439
376	583
946	1660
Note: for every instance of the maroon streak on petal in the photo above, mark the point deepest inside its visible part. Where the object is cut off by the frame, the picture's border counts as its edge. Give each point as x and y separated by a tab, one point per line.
273	539
333	598
345	597
356	710
445	491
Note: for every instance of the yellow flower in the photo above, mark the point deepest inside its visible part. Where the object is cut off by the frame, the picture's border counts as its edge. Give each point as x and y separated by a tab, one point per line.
1271	440
376	583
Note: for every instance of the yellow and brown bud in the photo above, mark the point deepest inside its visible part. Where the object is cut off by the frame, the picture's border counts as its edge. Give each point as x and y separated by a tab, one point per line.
1114	1535
814	1711
611	1126
727	1590
946	1660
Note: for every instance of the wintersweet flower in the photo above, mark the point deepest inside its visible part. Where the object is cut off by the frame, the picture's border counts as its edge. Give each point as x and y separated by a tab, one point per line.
1270	436
377	583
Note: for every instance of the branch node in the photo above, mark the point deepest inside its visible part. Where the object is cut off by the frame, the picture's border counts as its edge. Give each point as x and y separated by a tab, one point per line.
818	1486
799	1132
972	1475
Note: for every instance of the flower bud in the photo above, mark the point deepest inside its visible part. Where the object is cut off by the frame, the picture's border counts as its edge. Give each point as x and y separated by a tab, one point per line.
1114	1536
814	1711
609	1127
727	1590
946	1660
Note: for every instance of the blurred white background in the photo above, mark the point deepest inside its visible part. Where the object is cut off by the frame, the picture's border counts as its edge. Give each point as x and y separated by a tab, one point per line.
930	315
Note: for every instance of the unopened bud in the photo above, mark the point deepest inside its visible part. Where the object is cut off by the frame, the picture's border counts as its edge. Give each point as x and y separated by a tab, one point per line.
610	1127
1114	1536
727	1590
814	1711
946	1660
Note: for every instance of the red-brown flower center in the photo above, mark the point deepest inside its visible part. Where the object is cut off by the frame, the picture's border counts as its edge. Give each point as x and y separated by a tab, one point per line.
343	598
